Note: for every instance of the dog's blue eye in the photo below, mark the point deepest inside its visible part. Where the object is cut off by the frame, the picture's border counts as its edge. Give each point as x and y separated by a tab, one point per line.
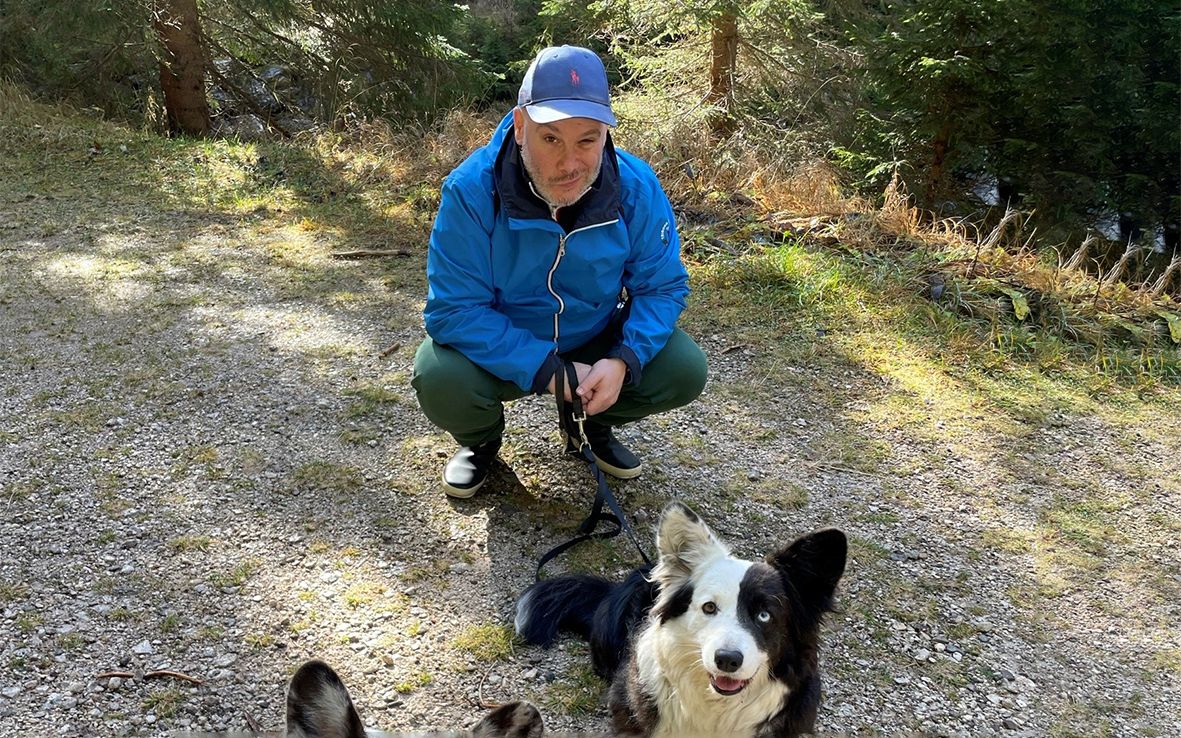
764	616
709	608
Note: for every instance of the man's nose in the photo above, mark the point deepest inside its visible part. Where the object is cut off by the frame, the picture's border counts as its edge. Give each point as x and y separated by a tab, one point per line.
567	162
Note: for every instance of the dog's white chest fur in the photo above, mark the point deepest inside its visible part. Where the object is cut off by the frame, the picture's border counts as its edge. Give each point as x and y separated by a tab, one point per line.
688	705
670	656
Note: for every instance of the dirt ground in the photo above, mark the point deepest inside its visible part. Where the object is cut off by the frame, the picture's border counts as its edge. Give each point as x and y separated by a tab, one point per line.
212	463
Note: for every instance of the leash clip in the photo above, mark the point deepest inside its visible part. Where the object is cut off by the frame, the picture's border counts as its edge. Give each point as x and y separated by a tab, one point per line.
578	415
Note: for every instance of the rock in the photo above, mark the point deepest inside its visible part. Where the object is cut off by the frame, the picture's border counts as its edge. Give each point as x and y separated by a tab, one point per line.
143	648
10	692
225	660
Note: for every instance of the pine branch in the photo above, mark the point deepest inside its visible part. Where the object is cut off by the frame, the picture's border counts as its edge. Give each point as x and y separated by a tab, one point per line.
243	96
311	56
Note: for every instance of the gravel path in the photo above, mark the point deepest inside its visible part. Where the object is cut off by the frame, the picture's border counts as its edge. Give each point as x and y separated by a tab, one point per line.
211	463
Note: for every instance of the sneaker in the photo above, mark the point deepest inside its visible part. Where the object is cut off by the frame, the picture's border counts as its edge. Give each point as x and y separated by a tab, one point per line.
614	458
468	469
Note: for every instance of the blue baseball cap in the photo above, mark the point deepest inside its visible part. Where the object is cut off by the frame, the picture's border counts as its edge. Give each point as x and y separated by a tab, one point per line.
566	82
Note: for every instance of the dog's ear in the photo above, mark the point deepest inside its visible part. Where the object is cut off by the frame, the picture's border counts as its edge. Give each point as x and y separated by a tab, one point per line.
684	542
814	564
514	720
319	706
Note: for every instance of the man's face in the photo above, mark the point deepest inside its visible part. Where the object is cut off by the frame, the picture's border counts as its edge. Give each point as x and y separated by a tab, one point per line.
562	158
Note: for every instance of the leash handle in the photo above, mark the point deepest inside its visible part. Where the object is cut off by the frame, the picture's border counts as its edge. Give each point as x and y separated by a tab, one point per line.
573	424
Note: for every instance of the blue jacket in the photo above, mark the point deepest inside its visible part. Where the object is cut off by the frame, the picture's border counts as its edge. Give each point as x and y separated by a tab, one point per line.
509	287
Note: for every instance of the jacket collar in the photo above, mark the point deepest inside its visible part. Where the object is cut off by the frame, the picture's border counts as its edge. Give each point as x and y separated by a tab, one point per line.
599	205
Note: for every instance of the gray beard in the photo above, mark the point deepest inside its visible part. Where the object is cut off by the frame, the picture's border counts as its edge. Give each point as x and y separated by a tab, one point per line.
543	192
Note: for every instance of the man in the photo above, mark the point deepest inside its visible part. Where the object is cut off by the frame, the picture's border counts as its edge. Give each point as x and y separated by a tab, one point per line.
550	246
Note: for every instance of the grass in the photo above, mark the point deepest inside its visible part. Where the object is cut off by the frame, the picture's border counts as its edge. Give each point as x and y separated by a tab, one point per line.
488	642
170	623
324	476
13	591
372	398
579	691
71	642
190	542
236	577
415	681
259	641
164	702
363	593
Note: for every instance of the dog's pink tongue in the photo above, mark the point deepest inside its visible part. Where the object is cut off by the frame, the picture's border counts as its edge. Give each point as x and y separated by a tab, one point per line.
726	684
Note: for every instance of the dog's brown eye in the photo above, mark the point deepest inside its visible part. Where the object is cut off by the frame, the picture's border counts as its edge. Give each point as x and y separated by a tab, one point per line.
709	608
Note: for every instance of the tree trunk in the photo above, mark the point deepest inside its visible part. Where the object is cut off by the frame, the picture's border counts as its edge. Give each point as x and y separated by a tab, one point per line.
724	59
939	147
182	66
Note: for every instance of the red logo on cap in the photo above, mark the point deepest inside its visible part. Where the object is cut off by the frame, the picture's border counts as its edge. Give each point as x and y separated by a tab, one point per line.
574	80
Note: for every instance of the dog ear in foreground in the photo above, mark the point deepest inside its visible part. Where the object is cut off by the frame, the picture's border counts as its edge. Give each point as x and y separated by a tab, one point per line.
319	706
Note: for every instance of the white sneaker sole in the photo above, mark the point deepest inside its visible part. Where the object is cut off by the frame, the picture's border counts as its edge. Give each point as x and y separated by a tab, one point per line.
616	471
461	493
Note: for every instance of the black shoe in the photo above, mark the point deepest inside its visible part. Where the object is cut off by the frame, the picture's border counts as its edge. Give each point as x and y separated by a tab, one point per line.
614	458
468	469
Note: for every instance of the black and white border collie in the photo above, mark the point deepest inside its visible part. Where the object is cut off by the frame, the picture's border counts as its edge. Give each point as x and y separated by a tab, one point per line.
704	644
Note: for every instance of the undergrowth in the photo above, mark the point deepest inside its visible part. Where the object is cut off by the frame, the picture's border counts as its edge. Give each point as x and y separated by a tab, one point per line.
770	241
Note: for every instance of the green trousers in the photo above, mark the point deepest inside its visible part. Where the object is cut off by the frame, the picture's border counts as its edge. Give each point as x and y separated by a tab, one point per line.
468	402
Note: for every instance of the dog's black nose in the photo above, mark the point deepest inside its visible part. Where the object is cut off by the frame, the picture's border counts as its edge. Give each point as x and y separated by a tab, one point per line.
728	661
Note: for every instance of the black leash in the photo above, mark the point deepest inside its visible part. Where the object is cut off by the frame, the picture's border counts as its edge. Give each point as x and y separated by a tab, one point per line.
571	422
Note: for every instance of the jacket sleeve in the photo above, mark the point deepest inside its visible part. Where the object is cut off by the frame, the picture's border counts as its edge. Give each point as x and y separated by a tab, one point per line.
460	304
654	276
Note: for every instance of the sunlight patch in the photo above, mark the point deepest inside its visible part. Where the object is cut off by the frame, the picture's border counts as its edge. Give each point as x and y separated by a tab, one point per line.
298	330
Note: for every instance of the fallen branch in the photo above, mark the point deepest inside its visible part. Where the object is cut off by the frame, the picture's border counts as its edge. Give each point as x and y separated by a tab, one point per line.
368	253
390	349
157	674
161	673
120	674
480	701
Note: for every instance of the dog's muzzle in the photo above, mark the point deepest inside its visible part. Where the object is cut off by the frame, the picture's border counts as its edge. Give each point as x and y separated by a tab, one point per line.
727	686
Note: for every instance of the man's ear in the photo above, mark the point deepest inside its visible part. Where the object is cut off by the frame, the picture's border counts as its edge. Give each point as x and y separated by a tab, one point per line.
519	124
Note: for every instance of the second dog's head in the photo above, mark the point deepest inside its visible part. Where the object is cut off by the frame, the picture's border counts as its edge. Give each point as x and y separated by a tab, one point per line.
742	622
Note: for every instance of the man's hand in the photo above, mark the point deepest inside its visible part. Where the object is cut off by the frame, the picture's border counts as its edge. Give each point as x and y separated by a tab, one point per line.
582	370
600	388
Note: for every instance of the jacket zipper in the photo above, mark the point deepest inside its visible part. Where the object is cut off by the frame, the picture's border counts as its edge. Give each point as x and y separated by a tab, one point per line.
549	278
549	284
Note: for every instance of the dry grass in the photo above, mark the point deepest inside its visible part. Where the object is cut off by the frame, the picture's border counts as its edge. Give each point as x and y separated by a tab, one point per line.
1002	281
